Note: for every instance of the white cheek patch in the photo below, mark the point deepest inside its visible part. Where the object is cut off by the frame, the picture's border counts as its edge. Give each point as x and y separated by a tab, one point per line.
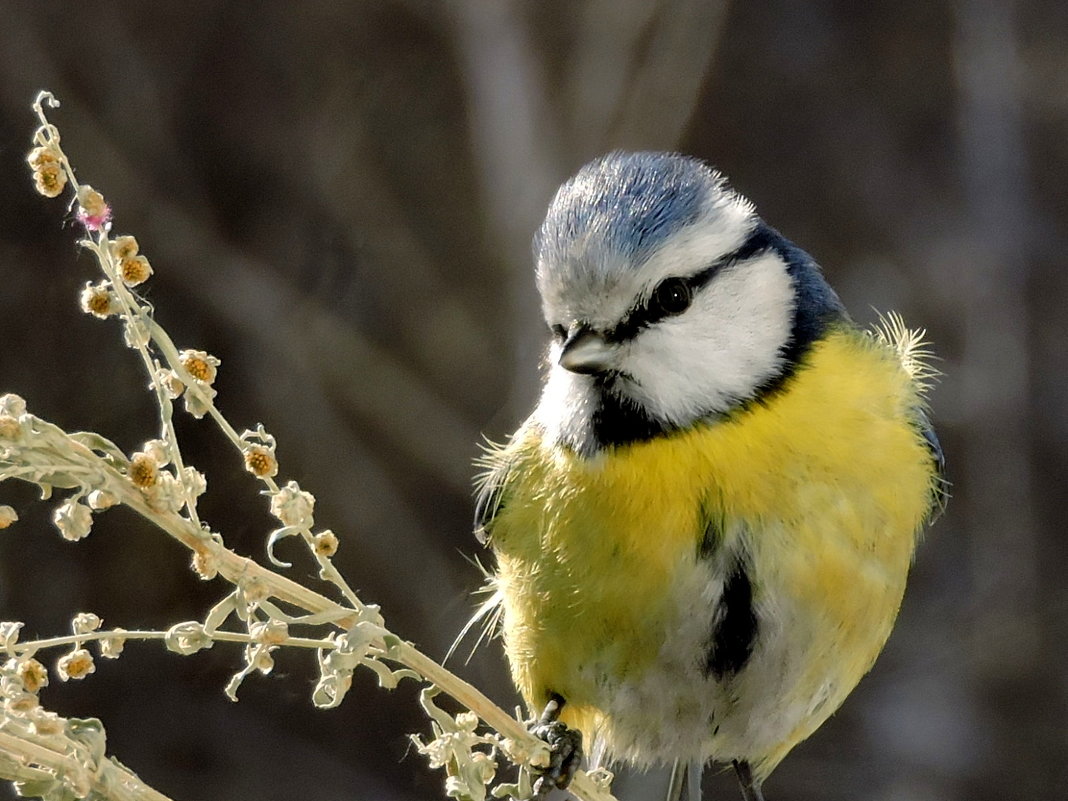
721	349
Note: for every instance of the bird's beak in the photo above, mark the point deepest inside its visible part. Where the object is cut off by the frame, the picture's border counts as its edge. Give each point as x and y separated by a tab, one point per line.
585	351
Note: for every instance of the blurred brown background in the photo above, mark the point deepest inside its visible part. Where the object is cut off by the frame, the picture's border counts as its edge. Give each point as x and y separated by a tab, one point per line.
338	199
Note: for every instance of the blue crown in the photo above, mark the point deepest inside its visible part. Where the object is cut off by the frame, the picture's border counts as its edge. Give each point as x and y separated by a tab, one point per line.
626	203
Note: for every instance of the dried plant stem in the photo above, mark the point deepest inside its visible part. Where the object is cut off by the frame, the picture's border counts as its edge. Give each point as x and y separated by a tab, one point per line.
237	568
110	780
218	635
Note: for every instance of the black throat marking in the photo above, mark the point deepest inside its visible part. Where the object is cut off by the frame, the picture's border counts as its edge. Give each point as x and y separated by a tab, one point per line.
618	420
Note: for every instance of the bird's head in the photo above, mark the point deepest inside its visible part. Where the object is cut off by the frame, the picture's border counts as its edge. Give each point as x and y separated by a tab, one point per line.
668	299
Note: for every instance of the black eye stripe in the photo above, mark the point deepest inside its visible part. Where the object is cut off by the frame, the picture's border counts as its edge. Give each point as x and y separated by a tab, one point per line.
646	313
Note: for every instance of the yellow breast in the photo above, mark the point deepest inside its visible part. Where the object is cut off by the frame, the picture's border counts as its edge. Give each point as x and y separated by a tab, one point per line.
827	481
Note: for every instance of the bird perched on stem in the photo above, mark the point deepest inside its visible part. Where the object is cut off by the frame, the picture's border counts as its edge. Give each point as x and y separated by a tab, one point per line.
703	531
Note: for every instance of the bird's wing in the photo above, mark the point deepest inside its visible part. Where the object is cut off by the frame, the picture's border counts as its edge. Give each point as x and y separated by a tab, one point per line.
496	465
940	485
916	357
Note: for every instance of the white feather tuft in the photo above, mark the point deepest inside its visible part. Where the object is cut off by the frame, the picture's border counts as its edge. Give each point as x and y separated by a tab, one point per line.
487	615
911	346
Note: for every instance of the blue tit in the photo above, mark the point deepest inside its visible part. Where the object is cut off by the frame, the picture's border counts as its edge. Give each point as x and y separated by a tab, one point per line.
703	531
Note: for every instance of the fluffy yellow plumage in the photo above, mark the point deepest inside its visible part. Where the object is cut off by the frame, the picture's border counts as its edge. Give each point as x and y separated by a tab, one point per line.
828	482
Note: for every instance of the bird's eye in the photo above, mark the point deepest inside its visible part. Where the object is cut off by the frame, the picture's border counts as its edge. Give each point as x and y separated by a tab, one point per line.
559	332
672	296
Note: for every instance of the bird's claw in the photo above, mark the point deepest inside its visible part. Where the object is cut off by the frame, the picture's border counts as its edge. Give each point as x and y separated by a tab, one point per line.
565	755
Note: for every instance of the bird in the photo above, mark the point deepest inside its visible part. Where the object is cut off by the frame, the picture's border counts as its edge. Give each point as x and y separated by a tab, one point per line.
702	533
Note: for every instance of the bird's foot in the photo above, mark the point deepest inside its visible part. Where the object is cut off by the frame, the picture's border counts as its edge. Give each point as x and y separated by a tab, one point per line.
565	750
750	787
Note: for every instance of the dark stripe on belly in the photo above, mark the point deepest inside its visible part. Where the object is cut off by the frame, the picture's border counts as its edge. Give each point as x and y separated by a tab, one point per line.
711	538
735	629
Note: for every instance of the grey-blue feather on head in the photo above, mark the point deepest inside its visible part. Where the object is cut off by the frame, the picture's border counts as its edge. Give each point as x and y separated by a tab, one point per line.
623	208
628	201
